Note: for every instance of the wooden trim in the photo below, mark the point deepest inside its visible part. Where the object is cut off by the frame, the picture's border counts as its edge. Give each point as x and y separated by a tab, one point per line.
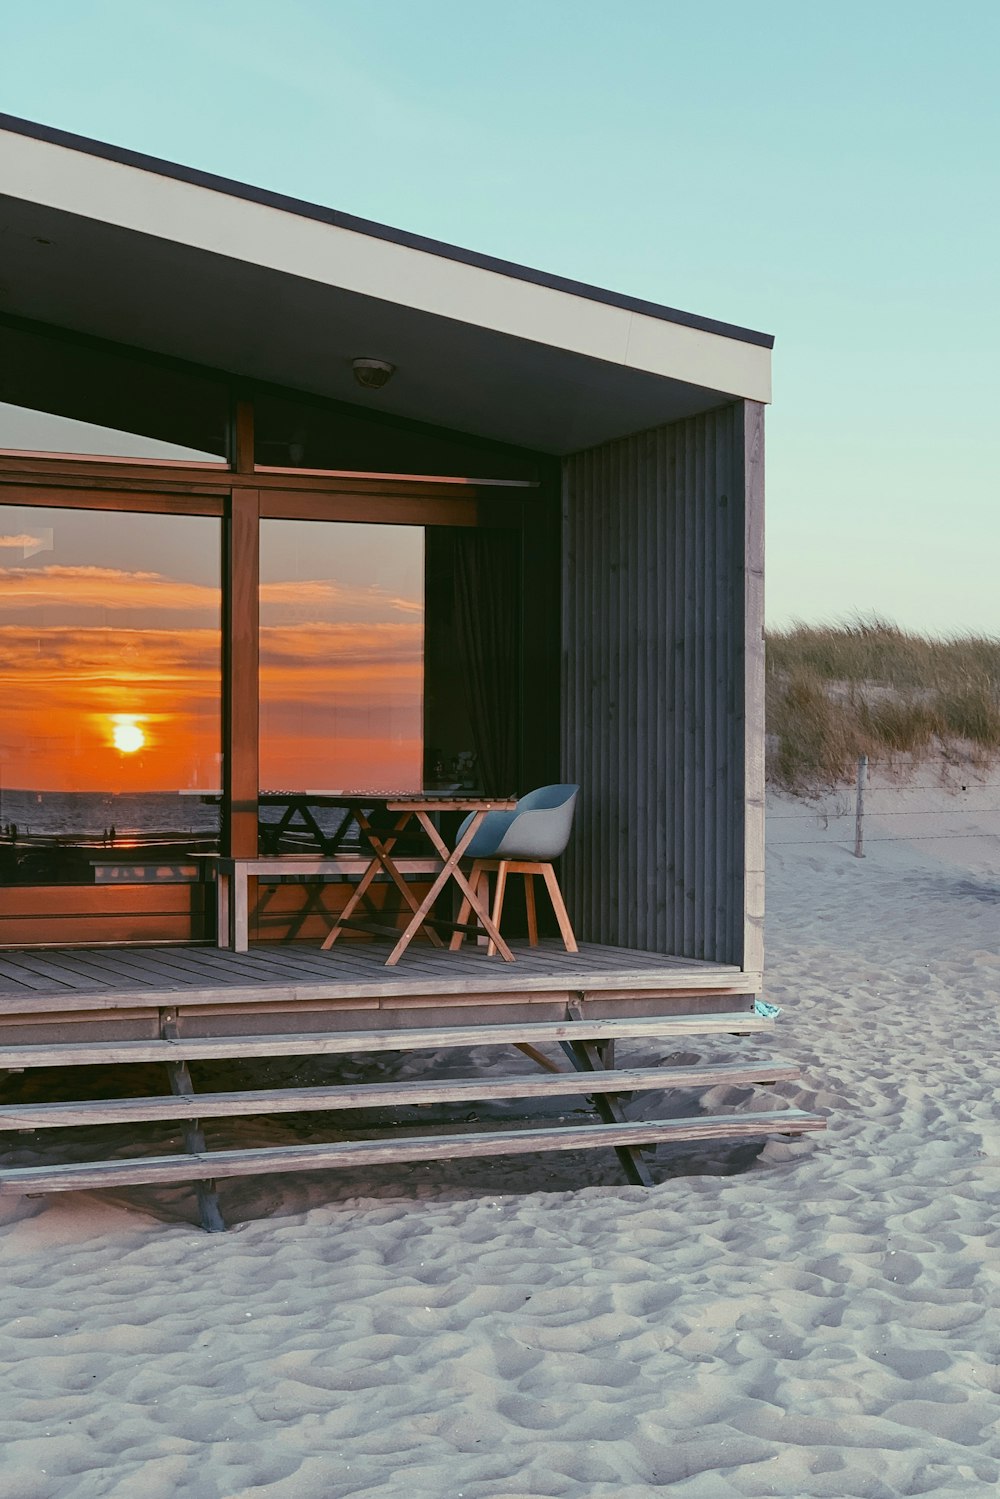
73	492
357	484
167	479
378	508
118	461
292	475
84	498
342	1043
212	477
240	656
752	958
98	474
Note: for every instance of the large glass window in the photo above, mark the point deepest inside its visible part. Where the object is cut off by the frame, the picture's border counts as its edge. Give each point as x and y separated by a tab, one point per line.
64	395
110	683
341	656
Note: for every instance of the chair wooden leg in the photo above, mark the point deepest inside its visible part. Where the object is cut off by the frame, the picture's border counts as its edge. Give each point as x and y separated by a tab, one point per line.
559	907
498	895
529	906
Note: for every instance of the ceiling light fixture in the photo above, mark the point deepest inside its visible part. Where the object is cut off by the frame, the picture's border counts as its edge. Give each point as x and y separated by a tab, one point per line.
372	373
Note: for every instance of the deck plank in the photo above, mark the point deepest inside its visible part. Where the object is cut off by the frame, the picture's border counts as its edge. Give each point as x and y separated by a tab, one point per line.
20	976
217	1164
416	1038
374	1095
100	967
71	978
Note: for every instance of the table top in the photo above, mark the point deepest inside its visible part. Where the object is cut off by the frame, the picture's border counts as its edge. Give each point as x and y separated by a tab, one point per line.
407	801
425	801
433	801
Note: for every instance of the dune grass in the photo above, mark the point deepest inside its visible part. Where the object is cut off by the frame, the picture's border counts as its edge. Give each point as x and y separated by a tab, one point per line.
835	692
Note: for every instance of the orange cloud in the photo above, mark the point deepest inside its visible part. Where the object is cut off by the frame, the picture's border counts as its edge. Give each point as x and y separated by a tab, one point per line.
72	588
18	543
102	588
330	600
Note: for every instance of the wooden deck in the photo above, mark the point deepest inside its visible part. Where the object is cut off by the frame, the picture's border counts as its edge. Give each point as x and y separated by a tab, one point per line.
72	1008
122	987
351	970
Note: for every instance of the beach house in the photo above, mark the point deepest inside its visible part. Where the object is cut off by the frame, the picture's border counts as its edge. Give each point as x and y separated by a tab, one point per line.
296	507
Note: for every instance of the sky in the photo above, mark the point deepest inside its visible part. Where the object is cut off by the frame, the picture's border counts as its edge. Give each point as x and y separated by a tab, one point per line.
827	174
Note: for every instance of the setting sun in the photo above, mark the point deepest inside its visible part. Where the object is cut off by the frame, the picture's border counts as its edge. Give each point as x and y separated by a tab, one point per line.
127	736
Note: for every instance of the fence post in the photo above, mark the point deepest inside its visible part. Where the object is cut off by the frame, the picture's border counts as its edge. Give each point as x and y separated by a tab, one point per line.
859	811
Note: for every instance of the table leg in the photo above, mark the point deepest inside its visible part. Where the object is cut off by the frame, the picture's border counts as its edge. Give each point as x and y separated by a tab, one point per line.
240	907
449	871
223	936
381	850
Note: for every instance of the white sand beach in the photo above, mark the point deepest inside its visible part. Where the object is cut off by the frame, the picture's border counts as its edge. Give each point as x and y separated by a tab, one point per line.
813	1318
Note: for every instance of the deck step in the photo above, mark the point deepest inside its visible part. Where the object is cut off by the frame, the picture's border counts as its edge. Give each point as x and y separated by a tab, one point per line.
280	1160
330	1043
372	1095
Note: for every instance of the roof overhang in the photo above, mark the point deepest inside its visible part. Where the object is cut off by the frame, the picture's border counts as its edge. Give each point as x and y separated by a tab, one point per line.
163	258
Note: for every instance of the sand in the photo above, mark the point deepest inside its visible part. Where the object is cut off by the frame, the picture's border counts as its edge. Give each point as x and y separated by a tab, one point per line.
816	1317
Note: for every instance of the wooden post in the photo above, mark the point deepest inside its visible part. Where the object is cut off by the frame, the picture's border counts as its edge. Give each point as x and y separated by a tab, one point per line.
859	813
240	652
209	1211
589	1056
241	437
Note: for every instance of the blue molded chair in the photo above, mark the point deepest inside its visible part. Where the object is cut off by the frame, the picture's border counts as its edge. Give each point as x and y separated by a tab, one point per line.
523	841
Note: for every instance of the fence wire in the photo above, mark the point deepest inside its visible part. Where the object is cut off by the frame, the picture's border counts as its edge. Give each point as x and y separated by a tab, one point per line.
849	813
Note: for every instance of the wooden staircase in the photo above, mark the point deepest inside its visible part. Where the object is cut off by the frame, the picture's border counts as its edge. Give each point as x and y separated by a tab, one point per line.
587	1043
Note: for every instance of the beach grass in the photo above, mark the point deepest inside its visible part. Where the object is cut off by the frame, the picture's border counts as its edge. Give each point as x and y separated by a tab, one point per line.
864	686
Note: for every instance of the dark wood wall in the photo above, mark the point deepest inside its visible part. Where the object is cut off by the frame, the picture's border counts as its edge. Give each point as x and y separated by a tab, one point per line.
663	687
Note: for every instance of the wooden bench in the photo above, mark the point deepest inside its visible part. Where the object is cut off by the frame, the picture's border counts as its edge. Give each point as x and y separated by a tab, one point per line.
232	877
588	1045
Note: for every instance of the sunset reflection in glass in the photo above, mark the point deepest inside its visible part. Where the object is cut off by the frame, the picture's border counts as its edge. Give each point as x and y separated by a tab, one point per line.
110	678
341	656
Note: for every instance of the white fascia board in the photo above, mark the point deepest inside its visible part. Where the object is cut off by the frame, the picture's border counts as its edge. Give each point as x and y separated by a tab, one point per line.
259	234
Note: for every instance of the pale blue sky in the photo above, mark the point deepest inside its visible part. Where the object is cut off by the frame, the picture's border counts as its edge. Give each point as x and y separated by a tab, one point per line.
827	174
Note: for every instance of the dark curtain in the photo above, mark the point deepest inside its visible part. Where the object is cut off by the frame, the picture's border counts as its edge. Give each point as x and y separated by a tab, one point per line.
487	619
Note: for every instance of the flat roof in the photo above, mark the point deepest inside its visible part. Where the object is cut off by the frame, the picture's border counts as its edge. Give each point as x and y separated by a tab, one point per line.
561	365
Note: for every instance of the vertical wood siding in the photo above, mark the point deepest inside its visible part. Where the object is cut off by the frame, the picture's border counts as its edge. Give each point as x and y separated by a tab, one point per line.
662	699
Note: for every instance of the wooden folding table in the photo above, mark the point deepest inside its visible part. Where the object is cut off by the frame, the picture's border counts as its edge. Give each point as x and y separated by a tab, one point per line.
421	808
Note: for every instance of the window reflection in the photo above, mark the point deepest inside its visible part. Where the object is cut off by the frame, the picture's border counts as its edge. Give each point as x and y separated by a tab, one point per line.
110	679
28	431
341	656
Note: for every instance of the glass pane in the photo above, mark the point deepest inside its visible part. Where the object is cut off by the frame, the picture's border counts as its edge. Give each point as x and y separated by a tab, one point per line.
60	395
110	680
41	432
341	643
